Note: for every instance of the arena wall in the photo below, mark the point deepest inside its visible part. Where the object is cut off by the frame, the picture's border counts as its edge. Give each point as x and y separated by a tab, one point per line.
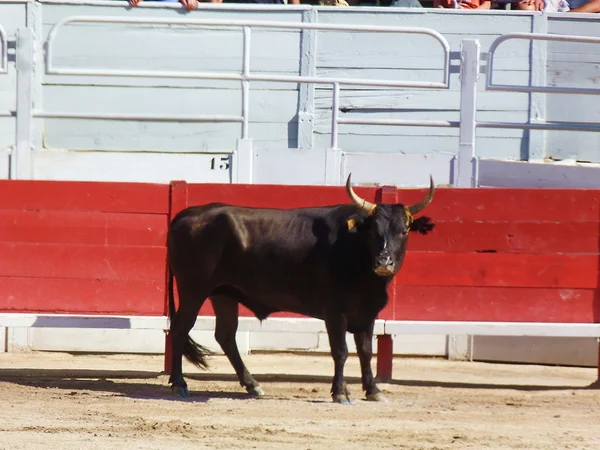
43	121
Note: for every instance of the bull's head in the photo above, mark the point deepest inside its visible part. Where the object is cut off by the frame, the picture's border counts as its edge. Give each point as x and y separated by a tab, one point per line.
386	229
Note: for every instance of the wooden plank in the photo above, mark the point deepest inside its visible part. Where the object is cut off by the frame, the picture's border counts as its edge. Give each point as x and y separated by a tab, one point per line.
509	237
449	204
500	270
273	196
12	16
36	260
92	228
482	328
141	167
497	304
163	47
207	310
77	296
537	175
486	147
179	137
447	22
414	99
510	204
84	196
265	105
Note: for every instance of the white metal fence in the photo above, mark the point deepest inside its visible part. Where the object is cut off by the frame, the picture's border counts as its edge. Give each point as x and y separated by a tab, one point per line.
466	163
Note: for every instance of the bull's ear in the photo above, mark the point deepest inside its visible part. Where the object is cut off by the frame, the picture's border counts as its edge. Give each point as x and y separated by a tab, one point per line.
353	223
422	225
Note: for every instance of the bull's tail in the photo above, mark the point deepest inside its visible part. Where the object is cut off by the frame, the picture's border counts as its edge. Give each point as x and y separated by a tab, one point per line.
194	352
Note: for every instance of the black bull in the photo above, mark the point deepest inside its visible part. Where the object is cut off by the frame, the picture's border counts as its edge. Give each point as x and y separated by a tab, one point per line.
333	263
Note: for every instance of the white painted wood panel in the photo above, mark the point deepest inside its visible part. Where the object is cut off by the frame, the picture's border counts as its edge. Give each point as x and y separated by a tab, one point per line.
12	16
4	164
290	166
538	175
573	65
398	170
122	166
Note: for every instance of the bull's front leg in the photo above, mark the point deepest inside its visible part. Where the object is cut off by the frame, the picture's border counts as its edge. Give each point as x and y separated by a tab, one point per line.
364	348
336	330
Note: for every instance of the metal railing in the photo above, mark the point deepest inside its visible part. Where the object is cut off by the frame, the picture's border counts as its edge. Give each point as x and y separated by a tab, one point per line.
491	86
3	51
245	76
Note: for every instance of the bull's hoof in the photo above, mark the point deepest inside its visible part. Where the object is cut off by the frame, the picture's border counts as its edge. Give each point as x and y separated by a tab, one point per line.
180	391
343	399
255	391
377	397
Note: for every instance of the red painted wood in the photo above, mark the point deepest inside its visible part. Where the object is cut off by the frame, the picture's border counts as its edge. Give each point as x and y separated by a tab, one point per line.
178	202
385	354
81	296
497	304
179	197
207	311
449	204
509	237
94	228
82	261
269	196
84	196
500	269
511	205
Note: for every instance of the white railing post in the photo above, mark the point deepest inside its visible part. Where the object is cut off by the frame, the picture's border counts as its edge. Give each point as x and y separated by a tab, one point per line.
469	72
3	51
242	159
306	94
537	100
333	157
20	158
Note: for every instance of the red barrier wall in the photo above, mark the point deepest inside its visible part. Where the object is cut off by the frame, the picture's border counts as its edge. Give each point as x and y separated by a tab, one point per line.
85	248
496	254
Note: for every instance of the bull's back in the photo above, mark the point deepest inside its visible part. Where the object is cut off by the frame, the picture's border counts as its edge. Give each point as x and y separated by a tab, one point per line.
284	247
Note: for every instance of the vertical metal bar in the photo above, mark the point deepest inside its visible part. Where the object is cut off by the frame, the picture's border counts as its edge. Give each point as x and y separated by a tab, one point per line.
20	160
3	51
469	72
306	91
537	100
335	109
246	82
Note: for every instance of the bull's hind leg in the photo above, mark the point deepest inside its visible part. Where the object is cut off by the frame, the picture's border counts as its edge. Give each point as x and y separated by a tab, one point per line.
226	312
364	348
336	330
190	302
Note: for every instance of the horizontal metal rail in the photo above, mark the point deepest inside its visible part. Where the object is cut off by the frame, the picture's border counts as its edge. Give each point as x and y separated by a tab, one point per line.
541	126
543	89
444	84
3	51
140	117
401	122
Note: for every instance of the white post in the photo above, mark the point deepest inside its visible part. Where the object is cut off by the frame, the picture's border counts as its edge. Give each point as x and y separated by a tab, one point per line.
333	158
460	347
20	159
537	100
469	73
306	96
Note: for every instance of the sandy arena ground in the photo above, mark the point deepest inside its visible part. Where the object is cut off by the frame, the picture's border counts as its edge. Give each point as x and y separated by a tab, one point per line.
58	400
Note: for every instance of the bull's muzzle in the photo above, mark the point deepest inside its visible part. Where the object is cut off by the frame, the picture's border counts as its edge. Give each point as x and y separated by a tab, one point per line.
384	265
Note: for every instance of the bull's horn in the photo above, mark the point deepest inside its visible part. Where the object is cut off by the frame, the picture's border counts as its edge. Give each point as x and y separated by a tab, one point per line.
418	207
366	206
